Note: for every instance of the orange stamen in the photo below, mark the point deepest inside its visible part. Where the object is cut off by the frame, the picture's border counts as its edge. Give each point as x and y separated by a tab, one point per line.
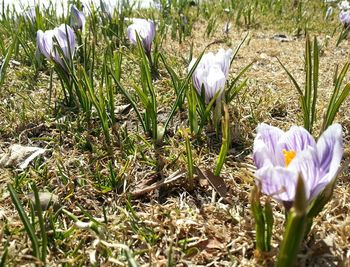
288	156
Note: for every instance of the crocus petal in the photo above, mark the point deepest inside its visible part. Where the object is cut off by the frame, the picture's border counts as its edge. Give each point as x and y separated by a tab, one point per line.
265	146
40	43
223	58
146	31
330	151
48	42
199	78
77	18
215	81
307	165
296	139
131	33
66	39
278	182
344	17
190	66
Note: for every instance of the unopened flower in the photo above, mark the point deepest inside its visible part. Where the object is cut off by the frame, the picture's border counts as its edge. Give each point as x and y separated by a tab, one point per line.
280	157
65	40
344	17
77	18
146	31
211	72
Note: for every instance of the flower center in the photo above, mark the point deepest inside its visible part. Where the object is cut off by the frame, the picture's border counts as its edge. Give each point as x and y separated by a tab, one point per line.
288	156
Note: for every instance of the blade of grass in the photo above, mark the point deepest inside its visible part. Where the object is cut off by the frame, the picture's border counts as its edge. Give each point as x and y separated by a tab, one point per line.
130	99
182	90
225	141
308	84
25	220
238	48
315	81
6	61
189	155
41	224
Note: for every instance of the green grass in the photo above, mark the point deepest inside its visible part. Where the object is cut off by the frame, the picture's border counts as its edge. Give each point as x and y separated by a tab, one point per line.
126	130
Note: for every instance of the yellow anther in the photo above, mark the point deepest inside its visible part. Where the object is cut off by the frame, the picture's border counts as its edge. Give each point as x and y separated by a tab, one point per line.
288	156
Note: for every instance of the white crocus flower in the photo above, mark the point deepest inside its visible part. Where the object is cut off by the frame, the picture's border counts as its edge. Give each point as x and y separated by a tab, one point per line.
211	72
146	31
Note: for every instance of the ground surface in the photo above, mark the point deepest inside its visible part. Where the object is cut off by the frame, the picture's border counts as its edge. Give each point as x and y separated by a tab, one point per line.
181	222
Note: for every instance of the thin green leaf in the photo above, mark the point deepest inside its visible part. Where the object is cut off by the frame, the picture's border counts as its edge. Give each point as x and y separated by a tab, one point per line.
6	61
25	220
235	91
130	99
225	142
182	90
258	214
41	223
268	218
189	156
230	93
174	78
335	107
238	48
315	81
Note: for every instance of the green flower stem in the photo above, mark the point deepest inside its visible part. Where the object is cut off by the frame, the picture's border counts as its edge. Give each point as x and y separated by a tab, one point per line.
263	221
296	224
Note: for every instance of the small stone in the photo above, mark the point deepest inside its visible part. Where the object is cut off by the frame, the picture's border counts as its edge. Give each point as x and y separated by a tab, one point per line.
45	198
281	37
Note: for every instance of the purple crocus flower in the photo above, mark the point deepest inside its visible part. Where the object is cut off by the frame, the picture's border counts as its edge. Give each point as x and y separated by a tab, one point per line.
211	72
77	18
65	39
146	31
280	157
344	17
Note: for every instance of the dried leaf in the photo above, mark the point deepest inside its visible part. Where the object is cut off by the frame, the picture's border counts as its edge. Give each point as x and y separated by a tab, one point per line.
216	181
20	156
210	244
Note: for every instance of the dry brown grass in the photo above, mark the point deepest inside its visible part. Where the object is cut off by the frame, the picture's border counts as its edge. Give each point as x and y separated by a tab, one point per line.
181	221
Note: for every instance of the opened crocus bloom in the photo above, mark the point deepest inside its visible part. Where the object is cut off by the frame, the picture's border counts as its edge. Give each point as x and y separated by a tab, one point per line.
211	72
280	157
77	18
146	31
65	40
